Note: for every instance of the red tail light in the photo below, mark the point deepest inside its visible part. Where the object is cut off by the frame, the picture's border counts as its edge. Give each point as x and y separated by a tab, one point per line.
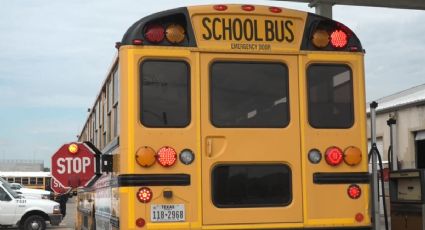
144	195
275	9
334	156
354	191
155	33
339	39
248	7
220	7
166	156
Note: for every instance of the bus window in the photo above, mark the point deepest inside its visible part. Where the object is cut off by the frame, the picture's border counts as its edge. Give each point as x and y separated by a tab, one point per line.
18	180
165	93
25	180
330	96
10	180
249	94
32	181
39	180
251	185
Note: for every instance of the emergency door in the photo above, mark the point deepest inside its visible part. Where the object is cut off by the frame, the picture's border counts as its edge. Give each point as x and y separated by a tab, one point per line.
251	167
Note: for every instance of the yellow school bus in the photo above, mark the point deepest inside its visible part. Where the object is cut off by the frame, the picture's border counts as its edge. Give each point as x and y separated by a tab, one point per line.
231	117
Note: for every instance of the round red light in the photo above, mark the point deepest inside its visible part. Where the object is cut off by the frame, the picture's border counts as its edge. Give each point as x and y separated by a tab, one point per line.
155	33
166	156
248	7
220	7
140	222
275	9
339	39
334	156
359	217
144	195
354	191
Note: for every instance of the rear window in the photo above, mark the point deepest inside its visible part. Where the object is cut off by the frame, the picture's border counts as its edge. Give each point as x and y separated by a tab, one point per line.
330	96
262	185
249	94
165	93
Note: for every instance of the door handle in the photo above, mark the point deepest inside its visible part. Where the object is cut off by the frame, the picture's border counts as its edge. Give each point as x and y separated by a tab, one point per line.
209	147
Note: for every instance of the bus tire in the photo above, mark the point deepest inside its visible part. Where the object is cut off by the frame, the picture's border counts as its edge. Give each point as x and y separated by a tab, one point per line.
33	222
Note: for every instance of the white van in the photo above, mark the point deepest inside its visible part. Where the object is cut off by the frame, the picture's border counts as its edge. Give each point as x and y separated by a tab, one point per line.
26	213
30	192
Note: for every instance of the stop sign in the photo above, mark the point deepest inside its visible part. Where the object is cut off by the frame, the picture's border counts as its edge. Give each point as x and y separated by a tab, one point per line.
57	187
73	166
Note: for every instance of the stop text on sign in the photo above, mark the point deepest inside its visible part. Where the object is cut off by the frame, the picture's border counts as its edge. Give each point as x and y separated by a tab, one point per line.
68	165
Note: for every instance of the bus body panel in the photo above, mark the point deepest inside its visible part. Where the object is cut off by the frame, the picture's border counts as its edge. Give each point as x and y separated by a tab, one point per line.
324	202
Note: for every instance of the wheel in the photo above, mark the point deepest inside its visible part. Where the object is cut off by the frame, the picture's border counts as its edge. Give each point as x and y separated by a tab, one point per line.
34	222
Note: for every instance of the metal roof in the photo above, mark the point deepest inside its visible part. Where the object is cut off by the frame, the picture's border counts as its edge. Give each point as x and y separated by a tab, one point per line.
25	174
405	98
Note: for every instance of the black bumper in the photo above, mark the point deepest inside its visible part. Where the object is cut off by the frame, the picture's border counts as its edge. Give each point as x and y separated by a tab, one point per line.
55	219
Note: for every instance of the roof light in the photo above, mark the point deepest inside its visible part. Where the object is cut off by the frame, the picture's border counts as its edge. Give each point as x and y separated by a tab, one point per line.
166	156
73	148
333	156
155	33
248	7
339	39
220	7
320	38
352	156
175	33
314	156
137	42
354	191
144	195
274	9
145	156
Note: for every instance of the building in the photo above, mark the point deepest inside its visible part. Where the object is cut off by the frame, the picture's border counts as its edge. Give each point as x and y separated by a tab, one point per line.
22	165
408	109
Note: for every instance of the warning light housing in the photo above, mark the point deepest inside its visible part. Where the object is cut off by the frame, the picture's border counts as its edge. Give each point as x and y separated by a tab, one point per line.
324	34
154	33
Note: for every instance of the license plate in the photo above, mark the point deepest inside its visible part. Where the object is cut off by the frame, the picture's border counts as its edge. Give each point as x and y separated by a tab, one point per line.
167	213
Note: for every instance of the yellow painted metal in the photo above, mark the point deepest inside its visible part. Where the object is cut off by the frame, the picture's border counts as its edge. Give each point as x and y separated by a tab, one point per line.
325	202
250	145
237	30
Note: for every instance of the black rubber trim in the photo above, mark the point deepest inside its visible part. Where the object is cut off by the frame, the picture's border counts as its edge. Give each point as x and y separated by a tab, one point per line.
341	178
128	180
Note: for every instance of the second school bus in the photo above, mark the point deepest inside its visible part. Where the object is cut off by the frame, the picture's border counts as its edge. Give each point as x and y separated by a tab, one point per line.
231	117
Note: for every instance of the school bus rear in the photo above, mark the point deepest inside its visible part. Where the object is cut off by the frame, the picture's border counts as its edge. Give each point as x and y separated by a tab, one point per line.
241	117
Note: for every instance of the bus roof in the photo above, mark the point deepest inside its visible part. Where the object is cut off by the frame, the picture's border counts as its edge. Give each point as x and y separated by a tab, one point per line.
242	28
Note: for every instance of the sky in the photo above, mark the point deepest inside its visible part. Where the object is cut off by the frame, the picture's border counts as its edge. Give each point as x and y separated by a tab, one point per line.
54	55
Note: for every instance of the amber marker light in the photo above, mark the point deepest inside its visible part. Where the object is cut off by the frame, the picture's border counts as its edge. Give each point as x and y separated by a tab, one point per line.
174	33
73	148
320	38
145	156
352	156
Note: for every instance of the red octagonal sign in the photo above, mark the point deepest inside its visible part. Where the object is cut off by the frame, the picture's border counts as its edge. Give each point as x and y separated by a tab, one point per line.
73	166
